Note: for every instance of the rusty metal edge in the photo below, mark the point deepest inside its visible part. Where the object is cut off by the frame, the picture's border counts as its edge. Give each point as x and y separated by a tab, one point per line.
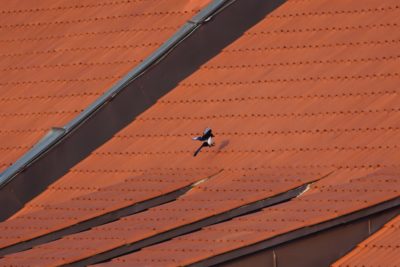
299	233
129	248
55	136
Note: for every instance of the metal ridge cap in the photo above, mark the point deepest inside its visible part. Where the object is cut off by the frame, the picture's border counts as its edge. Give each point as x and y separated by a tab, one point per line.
183	32
26	159
212	9
57	133
298	233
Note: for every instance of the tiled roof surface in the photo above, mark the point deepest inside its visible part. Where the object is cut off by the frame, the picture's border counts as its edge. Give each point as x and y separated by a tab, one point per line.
131	190
57	57
220	193
284	94
135	189
321	203
312	86
381	249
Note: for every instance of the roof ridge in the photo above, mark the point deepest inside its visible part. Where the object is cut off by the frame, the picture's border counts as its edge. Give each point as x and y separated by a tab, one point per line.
55	135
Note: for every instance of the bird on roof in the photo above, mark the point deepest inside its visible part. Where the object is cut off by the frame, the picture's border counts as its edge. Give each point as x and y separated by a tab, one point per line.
206	138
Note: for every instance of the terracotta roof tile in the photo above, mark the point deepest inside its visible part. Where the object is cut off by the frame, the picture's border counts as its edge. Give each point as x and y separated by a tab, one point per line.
289	95
68	53
223	192
315	206
318	118
381	249
133	189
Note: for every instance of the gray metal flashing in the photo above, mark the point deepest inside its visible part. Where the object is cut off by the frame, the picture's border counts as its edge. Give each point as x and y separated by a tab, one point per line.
212	9
129	248
299	233
55	136
119	108
40	147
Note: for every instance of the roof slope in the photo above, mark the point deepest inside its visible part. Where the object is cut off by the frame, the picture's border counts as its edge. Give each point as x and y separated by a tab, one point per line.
381	249
67	54
321	203
221	193
287	95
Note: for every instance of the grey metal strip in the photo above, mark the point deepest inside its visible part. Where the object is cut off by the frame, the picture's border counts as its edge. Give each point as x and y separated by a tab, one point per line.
212	9
56	134
47	141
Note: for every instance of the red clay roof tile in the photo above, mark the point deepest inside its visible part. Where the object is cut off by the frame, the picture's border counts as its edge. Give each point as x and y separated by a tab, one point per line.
315	206
223	192
57	62
130	191
381	249
312	86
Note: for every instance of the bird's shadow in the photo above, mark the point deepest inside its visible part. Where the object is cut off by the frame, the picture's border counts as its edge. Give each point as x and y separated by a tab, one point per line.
224	143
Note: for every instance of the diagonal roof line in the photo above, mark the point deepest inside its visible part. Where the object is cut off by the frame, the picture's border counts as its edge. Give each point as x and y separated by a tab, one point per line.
103	218
302	232
242	210
96	221
198	41
56	134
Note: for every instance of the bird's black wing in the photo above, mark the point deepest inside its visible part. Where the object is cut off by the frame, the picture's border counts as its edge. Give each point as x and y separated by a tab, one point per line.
207	134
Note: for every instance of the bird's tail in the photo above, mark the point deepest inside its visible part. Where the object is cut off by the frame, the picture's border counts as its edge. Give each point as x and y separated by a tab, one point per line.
198	150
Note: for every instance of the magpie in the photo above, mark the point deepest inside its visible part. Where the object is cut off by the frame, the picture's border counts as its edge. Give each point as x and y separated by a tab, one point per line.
206	138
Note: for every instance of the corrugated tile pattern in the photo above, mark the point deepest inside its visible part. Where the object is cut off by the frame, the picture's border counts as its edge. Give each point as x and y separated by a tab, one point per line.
218	194
284	94
381	249
313	85
57	57
319	204
132	190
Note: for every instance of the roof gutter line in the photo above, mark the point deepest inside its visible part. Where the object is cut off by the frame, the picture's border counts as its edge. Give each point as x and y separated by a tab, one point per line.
56	134
299	233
